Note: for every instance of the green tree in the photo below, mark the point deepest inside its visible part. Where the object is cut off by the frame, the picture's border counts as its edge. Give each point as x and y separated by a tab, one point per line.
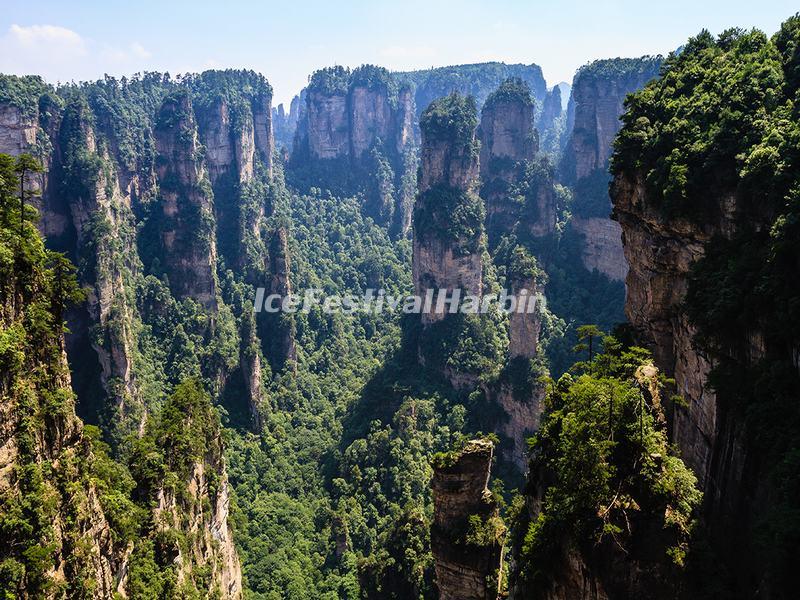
25	166
602	490
589	333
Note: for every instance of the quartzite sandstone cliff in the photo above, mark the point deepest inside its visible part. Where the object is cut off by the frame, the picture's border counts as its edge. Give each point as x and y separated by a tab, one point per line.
598	95
467	567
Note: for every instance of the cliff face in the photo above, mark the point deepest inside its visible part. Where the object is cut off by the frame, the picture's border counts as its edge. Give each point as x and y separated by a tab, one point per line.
348	113
70	527
328	126
515	197
236	134
56	536
507	130
200	511
370	117
21	129
101	216
18	130
186	201
356	134
661	252
143	180
476	80
445	258
598	96
405	136
466	534
524	327
599	92
84	206
714	263
601	246
231	136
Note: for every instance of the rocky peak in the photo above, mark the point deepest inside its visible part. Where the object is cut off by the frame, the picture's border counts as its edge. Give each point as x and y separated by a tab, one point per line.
356	135
350	112
226	147
506	128
234	123
552	109
523	403
283	343
263	128
371	99
186	201
447	256
599	91
199	505
598	95
449	153
91	194
327	119
525	279
467	533
509	143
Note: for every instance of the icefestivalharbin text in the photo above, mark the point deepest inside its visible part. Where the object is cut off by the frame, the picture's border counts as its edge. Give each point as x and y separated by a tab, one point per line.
433	301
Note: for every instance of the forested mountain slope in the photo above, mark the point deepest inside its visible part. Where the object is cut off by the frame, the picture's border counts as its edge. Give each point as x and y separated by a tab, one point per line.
175	442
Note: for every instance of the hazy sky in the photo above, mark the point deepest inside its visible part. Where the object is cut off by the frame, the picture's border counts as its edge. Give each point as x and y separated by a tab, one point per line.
288	40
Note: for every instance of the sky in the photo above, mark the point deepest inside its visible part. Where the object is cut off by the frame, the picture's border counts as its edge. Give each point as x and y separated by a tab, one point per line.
288	40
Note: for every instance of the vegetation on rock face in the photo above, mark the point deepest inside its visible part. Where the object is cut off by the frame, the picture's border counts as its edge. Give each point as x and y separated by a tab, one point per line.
452	119
45	478
376	78
330	498
229	84
600	70
720	130
602	473
719	118
63	491
23	92
514	90
330	80
453	216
